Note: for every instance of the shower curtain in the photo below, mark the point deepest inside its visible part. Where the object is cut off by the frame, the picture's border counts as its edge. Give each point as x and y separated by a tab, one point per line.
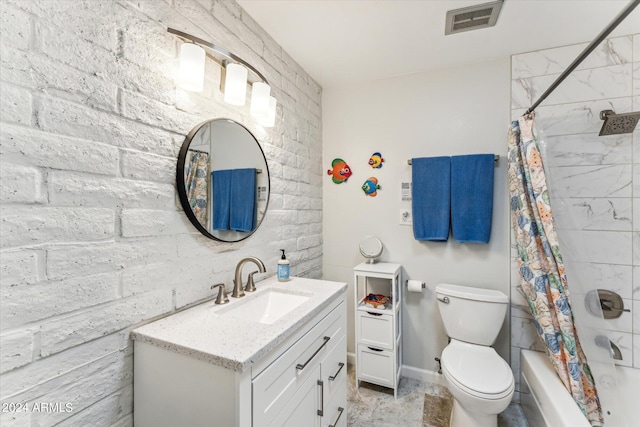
195	181
542	275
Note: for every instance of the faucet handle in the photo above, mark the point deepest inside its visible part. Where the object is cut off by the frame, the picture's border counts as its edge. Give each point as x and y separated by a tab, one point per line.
222	297
251	286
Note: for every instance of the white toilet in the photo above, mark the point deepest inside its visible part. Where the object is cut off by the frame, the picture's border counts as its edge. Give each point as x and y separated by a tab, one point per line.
480	381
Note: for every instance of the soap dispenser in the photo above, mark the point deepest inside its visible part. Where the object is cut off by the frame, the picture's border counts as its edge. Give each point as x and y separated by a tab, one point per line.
283	268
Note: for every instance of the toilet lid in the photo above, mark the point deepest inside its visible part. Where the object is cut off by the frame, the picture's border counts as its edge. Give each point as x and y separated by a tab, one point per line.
477	369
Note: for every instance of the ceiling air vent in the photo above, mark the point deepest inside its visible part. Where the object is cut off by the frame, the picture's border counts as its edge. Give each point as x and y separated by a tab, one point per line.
472	17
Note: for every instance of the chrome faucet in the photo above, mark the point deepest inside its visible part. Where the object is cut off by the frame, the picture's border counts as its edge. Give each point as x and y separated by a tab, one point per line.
237	282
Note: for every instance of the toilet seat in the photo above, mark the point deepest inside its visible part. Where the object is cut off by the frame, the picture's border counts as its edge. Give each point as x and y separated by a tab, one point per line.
477	370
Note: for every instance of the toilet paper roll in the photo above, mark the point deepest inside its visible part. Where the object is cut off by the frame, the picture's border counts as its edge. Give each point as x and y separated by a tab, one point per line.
415	285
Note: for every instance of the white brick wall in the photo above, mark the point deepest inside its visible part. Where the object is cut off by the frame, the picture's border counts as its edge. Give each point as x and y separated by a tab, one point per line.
93	241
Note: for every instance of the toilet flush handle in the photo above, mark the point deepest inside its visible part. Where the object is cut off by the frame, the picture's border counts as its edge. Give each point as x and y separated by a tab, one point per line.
443	299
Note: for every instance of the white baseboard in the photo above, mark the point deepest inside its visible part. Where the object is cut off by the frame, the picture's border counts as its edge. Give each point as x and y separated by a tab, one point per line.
410	372
422	374
351	358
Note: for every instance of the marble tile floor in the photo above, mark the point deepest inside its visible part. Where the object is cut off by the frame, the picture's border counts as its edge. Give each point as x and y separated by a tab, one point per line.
419	404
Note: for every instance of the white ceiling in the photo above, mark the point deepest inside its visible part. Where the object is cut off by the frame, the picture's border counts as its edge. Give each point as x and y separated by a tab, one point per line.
340	42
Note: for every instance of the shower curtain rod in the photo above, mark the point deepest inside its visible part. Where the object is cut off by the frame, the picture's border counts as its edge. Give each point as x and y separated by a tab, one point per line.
586	52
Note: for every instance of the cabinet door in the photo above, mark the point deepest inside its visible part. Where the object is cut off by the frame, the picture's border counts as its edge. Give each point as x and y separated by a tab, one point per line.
334	378
334	371
335	414
302	408
375	329
376	365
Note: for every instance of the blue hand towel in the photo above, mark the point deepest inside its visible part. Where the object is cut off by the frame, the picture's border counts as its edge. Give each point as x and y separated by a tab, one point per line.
472	197
243	200
431	195
221	199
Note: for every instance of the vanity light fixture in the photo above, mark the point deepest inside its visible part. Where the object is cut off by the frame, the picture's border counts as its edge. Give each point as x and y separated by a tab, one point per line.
191	72
236	74
260	93
235	84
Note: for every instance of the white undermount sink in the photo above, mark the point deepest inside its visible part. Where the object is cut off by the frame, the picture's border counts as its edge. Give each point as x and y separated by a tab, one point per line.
267	306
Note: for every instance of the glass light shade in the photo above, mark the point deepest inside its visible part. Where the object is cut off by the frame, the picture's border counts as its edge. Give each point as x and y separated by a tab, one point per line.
191	72
235	84
270	119
260	93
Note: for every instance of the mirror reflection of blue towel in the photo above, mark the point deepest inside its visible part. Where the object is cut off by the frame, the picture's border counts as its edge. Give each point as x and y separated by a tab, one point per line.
221	180
472	197
431	195
243	200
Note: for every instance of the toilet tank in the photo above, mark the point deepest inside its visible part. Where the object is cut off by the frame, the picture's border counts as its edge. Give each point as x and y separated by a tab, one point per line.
473	315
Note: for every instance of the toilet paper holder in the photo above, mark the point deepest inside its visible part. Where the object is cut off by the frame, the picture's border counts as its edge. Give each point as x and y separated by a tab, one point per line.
406	282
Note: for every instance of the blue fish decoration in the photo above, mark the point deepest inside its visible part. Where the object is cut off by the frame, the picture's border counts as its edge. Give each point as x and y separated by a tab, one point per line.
371	187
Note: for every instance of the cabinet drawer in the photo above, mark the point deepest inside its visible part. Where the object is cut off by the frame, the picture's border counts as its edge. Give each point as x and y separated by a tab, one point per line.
375	329
375	366
279	382
334	370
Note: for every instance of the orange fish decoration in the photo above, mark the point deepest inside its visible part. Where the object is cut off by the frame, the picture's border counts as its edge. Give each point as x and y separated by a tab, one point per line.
340	171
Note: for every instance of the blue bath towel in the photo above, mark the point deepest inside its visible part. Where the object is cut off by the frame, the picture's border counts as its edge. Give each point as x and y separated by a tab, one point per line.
472	197
220	208
431	192
243	200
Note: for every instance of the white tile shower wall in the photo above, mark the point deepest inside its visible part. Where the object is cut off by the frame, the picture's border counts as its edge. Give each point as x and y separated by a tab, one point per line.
596	177
93	240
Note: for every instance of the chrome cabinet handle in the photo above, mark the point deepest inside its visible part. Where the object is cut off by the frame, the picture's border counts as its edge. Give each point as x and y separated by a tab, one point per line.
301	366
321	410
443	299
341	410
333	377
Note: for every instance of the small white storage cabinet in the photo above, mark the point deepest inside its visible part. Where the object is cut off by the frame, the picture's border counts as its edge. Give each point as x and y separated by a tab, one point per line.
378	330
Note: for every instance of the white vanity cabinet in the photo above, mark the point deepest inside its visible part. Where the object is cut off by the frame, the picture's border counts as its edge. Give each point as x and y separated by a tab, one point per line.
301	381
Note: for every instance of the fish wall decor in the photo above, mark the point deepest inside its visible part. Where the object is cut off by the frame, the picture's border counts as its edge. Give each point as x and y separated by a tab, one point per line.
340	171
376	160
371	187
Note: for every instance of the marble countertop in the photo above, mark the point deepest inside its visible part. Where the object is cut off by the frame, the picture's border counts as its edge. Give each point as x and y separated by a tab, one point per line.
206	332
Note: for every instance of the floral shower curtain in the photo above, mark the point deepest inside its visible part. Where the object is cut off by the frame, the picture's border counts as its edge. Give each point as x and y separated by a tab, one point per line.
195	181
542	274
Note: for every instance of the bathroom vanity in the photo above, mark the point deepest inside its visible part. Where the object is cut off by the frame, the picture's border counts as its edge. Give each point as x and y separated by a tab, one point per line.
276	357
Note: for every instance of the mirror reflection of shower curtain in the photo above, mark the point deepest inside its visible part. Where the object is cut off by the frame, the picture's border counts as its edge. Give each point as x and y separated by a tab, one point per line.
196	183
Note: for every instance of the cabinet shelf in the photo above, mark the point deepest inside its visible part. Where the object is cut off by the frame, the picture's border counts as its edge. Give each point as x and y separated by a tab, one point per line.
389	308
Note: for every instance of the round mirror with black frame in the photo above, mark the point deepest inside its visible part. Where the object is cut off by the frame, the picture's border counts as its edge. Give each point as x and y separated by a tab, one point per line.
223	180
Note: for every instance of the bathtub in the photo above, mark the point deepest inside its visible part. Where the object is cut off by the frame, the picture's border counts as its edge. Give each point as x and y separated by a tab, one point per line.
546	402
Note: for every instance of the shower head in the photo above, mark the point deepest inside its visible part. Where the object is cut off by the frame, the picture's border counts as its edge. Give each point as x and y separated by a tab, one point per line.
615	124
